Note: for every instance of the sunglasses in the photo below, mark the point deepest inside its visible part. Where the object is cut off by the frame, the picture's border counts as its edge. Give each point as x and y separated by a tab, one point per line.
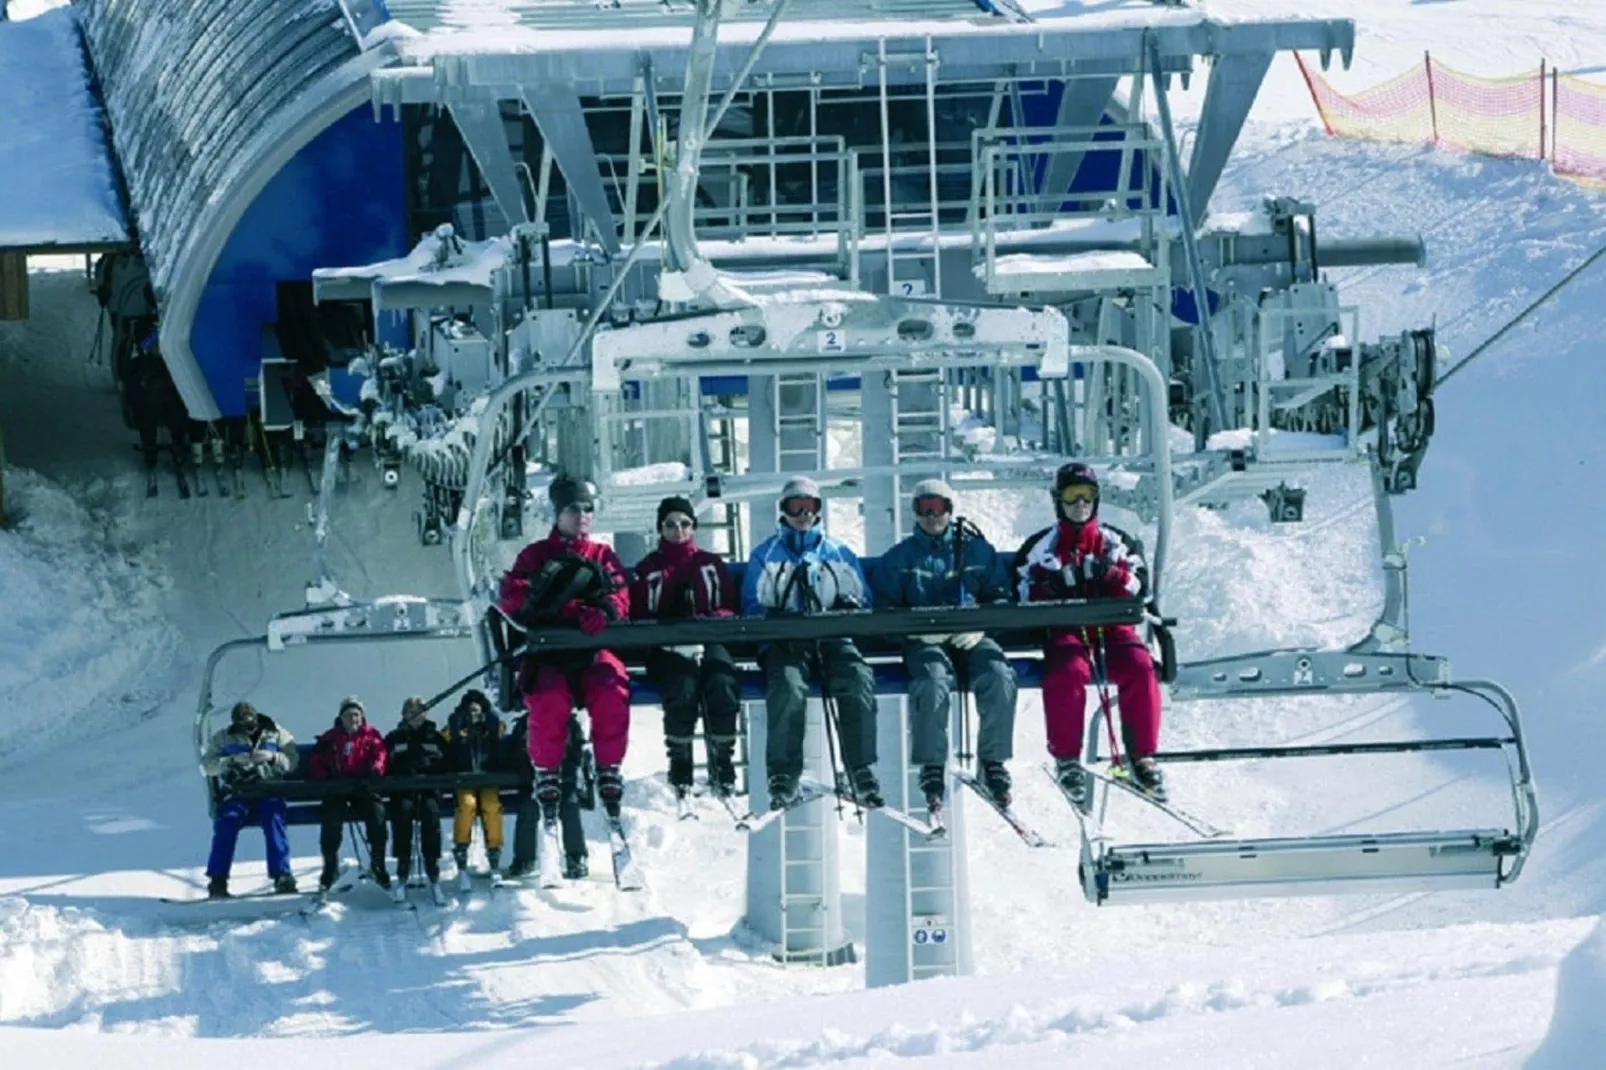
1079	493
580	507
801	507
679	524
931	507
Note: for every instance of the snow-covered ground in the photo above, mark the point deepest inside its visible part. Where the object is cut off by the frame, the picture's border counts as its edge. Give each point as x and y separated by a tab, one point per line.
112	602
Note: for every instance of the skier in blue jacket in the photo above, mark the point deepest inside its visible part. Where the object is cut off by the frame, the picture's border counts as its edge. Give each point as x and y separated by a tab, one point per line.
947	562
801	570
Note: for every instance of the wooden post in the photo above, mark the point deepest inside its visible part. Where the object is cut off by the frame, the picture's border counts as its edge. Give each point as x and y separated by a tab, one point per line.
13	286
1555	113
1541	109
1433	104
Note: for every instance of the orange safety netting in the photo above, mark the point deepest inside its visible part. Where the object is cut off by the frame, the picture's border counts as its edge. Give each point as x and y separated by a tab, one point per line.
1580	131
1527	115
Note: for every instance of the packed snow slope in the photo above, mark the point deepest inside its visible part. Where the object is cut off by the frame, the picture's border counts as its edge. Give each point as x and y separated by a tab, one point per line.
113	602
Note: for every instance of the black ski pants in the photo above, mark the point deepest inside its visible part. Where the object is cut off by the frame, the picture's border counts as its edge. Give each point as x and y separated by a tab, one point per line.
709	687
339	809
789	668
527	813
423	807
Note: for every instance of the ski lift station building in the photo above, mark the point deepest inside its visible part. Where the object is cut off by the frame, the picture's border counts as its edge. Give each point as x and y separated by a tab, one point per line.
246	143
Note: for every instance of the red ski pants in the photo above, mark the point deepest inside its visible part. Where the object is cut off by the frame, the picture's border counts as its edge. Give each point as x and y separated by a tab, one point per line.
604	692
1067	670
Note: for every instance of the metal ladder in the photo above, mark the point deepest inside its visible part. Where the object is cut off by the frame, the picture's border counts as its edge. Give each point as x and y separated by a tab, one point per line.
920	424
725	525
804	922
799	404
927	254
932	905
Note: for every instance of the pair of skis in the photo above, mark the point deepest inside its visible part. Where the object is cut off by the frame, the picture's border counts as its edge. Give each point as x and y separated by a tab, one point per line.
1122	781
812	791
626	873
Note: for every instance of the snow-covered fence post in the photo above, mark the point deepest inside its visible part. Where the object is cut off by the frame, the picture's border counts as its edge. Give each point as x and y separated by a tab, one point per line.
1433	103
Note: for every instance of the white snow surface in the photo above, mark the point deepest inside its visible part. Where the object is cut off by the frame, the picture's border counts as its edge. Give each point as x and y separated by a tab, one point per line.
112	602
57	184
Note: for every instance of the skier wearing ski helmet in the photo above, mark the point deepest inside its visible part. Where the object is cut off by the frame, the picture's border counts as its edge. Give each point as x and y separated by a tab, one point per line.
1082	557
568	578
681	581
947	561
251	749
801	570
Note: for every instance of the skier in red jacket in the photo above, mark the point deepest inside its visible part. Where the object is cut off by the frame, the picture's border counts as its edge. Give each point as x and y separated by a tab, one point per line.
351	750
1080	557
681	581
567	578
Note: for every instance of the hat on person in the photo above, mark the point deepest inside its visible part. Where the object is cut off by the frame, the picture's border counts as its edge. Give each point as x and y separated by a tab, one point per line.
566	491
474	695
670	506
413	704
243	713
933	488
800	487
352	702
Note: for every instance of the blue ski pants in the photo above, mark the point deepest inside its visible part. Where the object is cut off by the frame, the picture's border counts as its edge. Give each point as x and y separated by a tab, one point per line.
234	813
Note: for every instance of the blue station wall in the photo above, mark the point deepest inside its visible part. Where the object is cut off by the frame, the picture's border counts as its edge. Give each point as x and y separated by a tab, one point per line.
339	201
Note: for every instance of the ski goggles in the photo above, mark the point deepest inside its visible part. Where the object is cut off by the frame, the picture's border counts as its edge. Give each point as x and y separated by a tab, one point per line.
679	523
1079	492
930	507
801	507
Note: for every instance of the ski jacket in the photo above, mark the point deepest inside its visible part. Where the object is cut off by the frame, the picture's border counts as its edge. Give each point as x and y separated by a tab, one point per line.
679	581
923	571
1092	560
339	753
474	747
553	578
415	751
516	746
803	572
230	750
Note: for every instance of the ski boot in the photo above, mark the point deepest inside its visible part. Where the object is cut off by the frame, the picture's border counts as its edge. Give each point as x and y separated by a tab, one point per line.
866	789
680	765
398	893
610	788
217	888
721	771
380	875
783	790
521	867
576	867
1146	776
437	894
548	788
285	884
330	874
493	856
995	778
1073	780
460	856
934	786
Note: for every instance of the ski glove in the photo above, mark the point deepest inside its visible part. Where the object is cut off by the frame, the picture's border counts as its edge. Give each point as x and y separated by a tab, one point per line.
965	640
591	620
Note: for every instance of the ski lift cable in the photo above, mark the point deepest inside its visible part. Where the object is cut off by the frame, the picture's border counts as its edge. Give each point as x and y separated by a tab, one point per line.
1519	317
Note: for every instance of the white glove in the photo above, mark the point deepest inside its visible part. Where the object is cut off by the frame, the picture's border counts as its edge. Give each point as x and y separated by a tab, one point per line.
965	640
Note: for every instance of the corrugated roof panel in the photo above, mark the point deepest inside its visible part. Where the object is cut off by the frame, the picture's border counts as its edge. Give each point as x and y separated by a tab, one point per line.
454	15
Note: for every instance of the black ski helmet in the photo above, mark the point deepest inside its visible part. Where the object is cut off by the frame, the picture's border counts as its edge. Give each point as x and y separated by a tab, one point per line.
1075	474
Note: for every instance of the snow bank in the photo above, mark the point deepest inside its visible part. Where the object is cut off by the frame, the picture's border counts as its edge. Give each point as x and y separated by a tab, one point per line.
1577	1034
82	639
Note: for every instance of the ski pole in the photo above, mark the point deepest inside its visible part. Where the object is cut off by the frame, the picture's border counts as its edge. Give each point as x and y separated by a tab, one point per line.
454	685
1095	656
833	727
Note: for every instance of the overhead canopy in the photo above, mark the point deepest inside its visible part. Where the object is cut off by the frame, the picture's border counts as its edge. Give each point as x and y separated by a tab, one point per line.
58	185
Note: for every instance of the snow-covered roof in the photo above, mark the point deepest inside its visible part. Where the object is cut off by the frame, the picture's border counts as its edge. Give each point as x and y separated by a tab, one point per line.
58	186
207	100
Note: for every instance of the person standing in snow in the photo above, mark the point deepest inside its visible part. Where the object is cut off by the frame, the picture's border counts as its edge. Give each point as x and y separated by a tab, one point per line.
948	562
568	578
800	570
352	750
680	581
415	747
474	741
1080	557
252	748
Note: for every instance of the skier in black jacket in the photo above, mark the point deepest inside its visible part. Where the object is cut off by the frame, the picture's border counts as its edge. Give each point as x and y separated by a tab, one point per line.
416	748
